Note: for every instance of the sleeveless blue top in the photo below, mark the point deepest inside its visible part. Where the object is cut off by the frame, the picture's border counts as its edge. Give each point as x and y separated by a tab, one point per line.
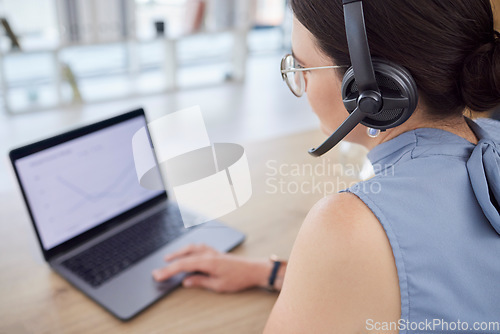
437	197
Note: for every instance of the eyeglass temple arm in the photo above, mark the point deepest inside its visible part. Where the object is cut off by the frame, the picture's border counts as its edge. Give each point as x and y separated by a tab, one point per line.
349	124
312	68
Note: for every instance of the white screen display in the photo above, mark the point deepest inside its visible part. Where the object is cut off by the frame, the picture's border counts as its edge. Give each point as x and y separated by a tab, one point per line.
79	184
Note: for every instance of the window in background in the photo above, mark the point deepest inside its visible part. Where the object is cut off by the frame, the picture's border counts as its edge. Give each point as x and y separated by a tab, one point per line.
29	78
272	27
34	21
117	48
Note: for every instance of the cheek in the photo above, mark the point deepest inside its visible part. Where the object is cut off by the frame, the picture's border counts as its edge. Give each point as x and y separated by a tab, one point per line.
325	99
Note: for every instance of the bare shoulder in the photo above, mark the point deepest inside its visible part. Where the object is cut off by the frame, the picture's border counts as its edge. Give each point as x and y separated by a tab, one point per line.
341	276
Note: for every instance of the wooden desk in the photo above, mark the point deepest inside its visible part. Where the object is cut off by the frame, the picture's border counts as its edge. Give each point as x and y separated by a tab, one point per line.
35	299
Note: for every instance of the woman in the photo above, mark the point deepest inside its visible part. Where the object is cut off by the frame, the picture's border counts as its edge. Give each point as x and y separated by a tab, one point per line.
426	246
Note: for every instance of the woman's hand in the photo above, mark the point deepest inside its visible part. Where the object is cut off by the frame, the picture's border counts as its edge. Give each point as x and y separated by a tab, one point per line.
219	272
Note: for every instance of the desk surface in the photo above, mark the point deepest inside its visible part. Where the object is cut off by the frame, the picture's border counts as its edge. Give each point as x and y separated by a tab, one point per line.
35	299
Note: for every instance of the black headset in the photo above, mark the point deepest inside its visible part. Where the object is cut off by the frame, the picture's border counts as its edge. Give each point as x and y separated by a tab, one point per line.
378	94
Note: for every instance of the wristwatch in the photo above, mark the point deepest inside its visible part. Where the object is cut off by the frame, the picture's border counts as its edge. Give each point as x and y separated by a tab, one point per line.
274	272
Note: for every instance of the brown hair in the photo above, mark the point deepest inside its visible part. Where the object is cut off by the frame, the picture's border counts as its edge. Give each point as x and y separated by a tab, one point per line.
449	46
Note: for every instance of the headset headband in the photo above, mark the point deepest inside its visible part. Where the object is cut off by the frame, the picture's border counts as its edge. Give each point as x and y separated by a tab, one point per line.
357	41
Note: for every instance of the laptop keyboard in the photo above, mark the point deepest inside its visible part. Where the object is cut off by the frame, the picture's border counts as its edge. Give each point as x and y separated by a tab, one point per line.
107	259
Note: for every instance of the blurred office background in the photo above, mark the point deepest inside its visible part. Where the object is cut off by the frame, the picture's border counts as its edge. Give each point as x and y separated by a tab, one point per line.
65	63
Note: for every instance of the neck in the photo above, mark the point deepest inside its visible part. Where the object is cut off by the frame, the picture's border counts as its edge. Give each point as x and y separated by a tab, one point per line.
456	125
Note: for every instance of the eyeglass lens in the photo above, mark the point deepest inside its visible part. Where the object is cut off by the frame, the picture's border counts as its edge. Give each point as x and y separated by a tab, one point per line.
294	80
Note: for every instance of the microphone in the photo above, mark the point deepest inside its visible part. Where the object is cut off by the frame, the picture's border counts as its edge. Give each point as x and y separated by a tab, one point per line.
343	130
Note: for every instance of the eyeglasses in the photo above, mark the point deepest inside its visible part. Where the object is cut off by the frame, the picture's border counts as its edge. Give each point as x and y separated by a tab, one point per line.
293	74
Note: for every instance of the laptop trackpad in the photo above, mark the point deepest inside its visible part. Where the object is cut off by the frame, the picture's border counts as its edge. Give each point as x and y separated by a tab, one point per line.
134	289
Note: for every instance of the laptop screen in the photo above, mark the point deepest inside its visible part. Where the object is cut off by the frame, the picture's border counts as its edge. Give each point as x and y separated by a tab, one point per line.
81	183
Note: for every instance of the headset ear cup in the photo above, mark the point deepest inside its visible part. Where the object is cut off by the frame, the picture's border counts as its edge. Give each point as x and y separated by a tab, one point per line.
399	94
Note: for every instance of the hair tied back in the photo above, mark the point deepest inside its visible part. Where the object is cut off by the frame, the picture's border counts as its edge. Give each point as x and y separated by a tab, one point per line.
480	79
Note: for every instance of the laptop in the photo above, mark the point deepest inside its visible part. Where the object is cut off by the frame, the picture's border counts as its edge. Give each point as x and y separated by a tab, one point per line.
96	226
